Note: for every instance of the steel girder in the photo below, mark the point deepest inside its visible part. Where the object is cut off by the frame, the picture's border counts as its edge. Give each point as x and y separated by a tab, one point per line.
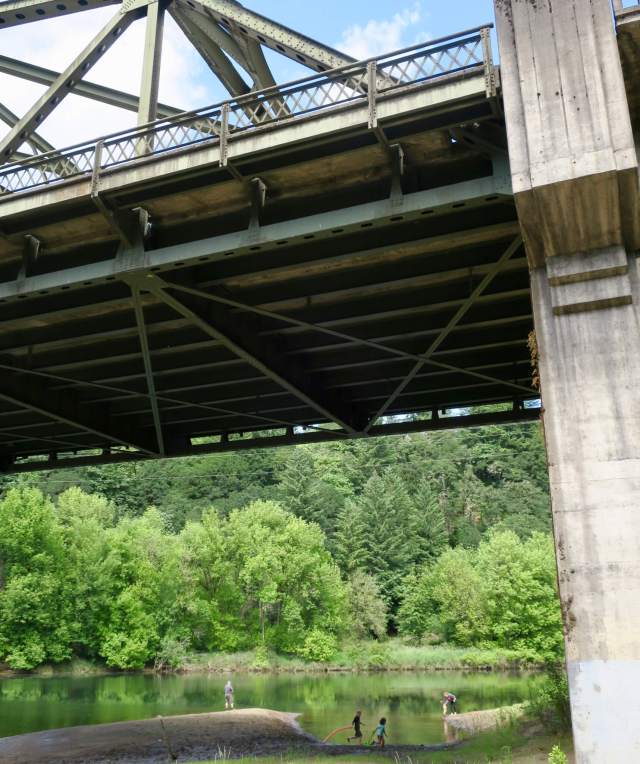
220	31
241	337
37	141
292	438
300	48
65	83
17	12
218	247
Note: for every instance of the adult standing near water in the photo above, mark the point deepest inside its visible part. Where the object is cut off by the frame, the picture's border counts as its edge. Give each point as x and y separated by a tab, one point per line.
228	695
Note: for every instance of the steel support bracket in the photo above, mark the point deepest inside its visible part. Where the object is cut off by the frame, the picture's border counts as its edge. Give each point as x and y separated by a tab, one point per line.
397	157
489	69
258	194
135	227
30	252
224	145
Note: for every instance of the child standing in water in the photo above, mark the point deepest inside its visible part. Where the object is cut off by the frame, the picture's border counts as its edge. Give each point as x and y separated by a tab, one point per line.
381	732
356	724
228	695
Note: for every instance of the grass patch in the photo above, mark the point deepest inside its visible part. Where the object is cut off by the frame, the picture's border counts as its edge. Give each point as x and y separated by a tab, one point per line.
392	655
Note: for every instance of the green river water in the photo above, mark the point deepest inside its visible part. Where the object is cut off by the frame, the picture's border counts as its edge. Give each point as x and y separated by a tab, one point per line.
410	701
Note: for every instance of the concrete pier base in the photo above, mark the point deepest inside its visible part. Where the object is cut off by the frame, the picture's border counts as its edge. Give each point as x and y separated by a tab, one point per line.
575	175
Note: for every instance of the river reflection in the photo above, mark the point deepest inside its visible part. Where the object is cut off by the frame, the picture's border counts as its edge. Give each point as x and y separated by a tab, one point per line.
410	701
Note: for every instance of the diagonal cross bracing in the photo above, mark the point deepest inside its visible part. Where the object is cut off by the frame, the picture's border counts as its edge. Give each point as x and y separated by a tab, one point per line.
37	141
455	320
347	337
148	368
280	38
66	82
28	393
241	339
101	93
200	30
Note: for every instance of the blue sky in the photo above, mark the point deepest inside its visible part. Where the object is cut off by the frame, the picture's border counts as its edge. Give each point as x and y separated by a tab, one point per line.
359	27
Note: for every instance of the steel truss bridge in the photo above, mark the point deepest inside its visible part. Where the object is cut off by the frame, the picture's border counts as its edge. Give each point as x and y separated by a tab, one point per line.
303	262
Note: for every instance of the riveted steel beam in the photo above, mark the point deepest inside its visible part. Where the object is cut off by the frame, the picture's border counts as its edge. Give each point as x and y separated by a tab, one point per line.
302	49
66	82
37	141
152	56
17	12
319	226
291	438
148	368
223	300
203	34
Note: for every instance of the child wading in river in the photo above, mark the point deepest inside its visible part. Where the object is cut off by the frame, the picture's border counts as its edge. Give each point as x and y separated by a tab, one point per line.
356	724
381	732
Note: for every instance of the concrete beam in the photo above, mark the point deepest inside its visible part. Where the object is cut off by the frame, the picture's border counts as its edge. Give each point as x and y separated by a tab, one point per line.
575	178
571	144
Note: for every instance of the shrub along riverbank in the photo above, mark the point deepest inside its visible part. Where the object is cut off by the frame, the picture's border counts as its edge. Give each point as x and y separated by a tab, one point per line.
440	539
78	582
391	655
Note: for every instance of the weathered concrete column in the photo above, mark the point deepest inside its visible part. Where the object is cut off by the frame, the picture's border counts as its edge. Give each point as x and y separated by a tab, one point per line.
575	176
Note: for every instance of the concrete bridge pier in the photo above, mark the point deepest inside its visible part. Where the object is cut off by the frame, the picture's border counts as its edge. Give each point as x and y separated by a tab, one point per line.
575	176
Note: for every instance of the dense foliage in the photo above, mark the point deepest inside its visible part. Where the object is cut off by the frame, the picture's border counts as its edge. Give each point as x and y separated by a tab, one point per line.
441	537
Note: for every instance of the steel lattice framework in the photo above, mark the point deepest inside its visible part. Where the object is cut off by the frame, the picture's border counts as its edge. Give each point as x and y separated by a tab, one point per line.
226	35
301	262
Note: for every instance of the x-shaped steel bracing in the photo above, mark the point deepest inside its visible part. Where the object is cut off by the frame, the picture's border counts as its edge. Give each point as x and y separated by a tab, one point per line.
229	37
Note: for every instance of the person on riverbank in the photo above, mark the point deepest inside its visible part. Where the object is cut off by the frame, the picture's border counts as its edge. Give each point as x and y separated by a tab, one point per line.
381	732
357	727
449	702
228	695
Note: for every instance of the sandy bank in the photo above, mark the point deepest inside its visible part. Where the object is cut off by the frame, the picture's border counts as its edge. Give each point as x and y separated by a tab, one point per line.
197	736
226	734
480	721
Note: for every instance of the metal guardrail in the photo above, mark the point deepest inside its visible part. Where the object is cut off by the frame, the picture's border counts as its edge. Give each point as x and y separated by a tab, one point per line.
364	81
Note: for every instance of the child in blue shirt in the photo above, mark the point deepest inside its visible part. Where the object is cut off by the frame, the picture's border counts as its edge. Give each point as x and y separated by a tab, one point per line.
381	732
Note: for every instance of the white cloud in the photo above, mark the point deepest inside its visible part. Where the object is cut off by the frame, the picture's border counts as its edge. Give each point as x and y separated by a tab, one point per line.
185	81
382	36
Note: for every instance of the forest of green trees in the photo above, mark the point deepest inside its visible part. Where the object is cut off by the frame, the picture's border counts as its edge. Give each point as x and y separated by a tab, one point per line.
438	538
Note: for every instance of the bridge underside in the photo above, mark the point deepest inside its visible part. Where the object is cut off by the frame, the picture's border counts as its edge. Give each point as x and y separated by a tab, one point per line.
322	283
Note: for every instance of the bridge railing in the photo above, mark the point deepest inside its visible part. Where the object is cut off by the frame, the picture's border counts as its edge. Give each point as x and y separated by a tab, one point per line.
364	81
